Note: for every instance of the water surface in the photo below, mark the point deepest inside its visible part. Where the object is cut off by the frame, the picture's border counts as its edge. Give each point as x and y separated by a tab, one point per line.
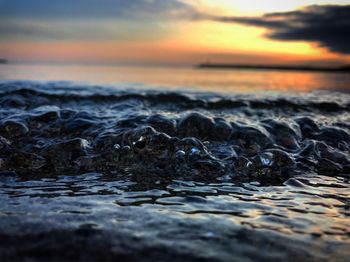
89	172
228	81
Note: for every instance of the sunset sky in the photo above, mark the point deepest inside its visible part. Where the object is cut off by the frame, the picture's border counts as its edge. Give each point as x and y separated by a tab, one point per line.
179	32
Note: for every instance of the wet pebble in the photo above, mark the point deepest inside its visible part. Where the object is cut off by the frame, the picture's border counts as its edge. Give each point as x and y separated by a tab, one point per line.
196	125
222	130
162	124
25	161
61	154
333	135
245	142
284	134
328	167
307	126
250	139
45	114
4	143
11	129
13	101
195	151
2	163
180	153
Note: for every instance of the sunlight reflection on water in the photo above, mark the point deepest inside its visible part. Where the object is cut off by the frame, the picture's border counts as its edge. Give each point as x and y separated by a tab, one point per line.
241	81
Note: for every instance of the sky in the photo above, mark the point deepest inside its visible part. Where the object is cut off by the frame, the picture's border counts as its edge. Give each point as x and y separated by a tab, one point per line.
176	32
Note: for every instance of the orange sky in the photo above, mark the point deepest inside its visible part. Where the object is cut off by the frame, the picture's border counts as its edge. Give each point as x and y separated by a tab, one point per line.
163	41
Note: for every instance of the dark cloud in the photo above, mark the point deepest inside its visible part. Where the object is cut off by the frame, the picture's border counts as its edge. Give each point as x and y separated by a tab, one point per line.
328	25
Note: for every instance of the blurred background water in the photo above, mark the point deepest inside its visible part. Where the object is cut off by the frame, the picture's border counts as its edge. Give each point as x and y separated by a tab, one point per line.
218	80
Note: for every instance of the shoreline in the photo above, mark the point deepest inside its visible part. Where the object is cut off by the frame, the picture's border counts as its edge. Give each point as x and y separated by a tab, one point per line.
342	69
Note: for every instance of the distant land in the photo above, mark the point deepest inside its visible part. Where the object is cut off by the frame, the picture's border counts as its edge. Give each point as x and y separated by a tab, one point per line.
343	69
3	61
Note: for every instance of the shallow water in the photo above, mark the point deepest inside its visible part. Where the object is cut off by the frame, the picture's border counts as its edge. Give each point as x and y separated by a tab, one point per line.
184	78
94	173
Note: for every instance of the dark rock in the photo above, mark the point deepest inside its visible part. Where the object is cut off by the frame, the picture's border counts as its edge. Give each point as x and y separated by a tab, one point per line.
196	125
333	135
61	155
45	114
12	129
328	167
243	165
132	136
162	124
222	130
2	163
307	126
284	134
4	143
308	148
13	101
322	150
106	142
209	166
137	136
281	159
250	139
25	161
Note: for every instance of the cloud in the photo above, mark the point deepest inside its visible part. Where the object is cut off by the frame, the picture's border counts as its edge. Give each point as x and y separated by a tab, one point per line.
329	25
98	20
103	9
78	31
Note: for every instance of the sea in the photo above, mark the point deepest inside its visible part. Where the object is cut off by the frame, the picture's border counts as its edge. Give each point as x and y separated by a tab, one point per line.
145	163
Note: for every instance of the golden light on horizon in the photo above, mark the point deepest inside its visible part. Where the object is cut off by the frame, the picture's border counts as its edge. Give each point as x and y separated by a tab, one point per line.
228	38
